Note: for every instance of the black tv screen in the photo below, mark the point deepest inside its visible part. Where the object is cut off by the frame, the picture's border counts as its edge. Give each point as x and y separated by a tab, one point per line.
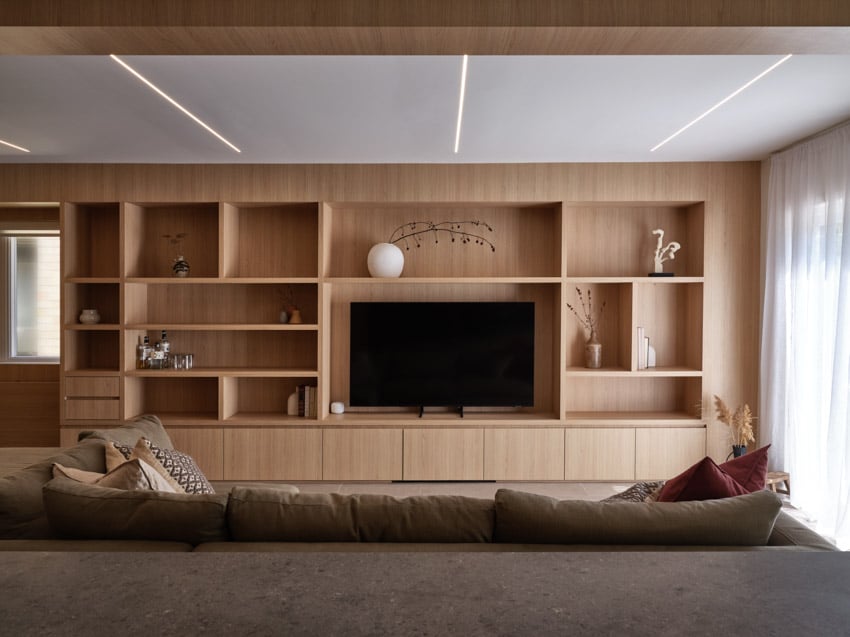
426	354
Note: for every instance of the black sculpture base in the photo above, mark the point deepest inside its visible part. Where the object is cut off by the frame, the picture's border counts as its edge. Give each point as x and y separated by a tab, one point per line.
661	274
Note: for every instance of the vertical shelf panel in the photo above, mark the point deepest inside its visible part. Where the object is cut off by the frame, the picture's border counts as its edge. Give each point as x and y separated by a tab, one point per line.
524	454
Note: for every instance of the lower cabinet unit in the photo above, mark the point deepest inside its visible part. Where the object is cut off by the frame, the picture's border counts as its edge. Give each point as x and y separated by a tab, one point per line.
443	454
272	454
665	452
599	454
524	454
206	446
362	454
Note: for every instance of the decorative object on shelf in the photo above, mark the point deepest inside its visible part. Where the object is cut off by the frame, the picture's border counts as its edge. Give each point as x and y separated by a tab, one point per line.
386	260
663	253
645	351
740	424
179	267
337	407
292	404
592	348
90	317
182	361
284	316
290	312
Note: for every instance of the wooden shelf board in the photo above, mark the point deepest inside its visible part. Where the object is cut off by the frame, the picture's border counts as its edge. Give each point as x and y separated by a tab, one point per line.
632	419
408	419
219	280
269	419
634	279
92	372
97	327
619	372
170	419
269	280
443	280
209	372
92	279
225	327
172	280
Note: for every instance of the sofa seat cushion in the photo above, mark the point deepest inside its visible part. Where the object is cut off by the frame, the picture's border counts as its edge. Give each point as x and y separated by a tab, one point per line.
262	514
745	520
21	508
91	546
82	511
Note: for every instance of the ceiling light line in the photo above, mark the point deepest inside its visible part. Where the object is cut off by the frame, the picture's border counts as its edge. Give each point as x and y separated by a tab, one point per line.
172	101
11	145
460	102
723	101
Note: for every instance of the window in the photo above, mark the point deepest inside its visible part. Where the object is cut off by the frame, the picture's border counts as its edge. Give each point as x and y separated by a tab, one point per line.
31	282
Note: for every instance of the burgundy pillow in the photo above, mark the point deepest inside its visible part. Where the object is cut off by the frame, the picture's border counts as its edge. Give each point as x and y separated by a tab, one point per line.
749	470
703	481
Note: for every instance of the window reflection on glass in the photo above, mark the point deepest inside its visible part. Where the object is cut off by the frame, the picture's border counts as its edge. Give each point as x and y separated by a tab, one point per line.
35	297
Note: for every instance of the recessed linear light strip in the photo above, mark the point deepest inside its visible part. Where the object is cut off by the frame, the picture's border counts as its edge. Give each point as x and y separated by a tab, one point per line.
11	145
460	103
171	100
723	101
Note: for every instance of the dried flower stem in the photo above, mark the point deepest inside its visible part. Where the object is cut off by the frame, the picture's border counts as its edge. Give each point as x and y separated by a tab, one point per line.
740	422
455	229
586	318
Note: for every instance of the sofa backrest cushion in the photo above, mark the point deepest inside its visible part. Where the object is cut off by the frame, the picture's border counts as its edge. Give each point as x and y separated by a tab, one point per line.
21	508
745	520
82	511
257	514
147	426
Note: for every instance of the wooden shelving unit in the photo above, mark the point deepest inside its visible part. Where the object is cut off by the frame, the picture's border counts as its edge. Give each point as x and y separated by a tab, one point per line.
230	410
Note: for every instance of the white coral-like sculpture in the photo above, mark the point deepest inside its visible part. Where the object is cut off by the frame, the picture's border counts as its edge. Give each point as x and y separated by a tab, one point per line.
664	253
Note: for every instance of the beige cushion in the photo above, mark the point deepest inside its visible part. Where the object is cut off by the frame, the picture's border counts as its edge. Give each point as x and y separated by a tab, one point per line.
745	520
21	508
117	454
147	426
438	518
263	514
82	511
132	476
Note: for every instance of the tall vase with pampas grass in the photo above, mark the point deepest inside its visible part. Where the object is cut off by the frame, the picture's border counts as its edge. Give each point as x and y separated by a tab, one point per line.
740	422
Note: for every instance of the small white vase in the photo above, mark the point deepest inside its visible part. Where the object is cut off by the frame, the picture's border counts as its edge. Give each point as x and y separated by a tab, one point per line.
89	317
385	260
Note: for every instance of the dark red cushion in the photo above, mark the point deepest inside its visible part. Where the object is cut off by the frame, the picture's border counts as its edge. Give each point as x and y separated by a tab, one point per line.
703	481
749	470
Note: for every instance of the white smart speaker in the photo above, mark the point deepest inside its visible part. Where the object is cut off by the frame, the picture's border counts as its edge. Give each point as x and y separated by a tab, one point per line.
337	408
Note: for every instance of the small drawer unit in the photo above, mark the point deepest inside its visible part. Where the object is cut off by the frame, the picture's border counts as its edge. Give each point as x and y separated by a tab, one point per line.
92	398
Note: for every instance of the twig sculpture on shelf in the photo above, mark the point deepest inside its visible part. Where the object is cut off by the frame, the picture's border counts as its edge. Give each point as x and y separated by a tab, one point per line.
387	259
180	267
663	253
412	232
590	321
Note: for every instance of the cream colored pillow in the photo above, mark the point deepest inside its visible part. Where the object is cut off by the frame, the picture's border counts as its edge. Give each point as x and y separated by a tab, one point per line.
117	454
134	475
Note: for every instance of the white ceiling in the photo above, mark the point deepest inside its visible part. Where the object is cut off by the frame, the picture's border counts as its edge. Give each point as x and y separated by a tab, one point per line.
373	109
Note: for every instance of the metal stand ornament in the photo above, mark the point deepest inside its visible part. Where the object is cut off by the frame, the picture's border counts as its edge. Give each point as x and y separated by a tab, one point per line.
179	267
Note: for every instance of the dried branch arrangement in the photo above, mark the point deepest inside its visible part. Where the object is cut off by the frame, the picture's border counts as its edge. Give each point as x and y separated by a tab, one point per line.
412	233
740	422
587	318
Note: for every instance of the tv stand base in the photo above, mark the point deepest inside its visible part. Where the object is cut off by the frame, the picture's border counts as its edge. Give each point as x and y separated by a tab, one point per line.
422	410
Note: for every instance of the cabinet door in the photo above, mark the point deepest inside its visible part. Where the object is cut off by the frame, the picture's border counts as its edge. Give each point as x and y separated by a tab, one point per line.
206	446
444	454
599	454
362	454
272	454
524	454
664	452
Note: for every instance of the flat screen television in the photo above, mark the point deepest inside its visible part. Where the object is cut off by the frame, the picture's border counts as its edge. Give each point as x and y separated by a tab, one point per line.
454	354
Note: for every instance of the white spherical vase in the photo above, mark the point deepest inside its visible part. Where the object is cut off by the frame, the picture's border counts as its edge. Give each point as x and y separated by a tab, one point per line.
385	260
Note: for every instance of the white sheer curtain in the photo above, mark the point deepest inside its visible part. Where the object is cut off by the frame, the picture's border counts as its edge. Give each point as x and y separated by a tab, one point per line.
805	359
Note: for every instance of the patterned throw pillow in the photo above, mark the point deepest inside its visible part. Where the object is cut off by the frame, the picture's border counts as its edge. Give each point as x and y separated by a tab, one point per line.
183	469
638	492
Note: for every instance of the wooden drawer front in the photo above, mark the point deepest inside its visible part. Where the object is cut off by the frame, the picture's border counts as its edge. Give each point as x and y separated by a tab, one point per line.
600	454
444	454
272	454
94	409
206	446
524	454
91	386
362	454
665	452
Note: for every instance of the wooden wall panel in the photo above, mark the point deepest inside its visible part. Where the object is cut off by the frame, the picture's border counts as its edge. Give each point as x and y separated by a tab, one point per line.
444	454
524	454
29	405
362	454
663	453
272	454
206	446
600	454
